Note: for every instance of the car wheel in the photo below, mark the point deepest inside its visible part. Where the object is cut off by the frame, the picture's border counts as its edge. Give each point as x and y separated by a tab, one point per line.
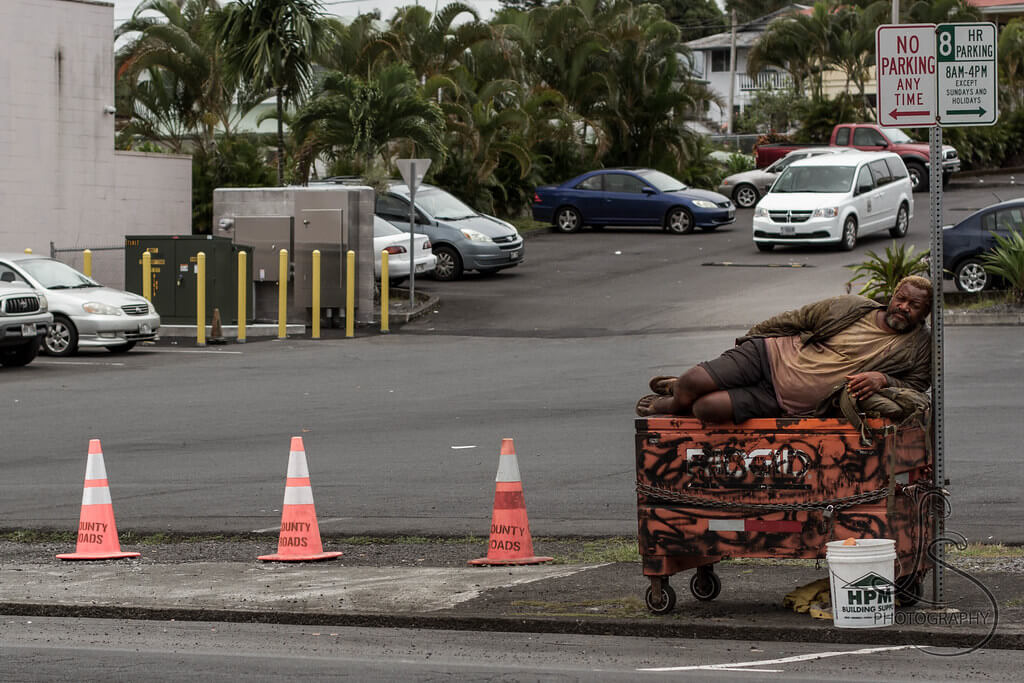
849	238
567	219
902	222
20	355
62	339
121	348
765	246
918	176
679	221
449	264
745	196
970	276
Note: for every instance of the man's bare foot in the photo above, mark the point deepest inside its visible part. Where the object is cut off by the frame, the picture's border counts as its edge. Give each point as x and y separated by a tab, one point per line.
662	384
652	404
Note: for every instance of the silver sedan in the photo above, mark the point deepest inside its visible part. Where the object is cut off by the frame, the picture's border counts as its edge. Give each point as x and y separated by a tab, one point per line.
85	313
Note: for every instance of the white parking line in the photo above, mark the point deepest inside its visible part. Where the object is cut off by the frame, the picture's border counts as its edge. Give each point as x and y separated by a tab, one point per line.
742	666
77	362
165	350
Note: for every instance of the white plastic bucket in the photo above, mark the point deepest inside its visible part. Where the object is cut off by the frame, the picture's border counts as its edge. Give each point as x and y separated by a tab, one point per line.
861	581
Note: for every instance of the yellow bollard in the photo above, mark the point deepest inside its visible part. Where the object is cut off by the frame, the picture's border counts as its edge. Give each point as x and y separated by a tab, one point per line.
29	250
282	295
385	294
242	288
147	276
350	294
87	262
316	294
201	299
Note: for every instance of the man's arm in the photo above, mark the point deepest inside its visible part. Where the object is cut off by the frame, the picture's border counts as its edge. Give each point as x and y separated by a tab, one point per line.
804	319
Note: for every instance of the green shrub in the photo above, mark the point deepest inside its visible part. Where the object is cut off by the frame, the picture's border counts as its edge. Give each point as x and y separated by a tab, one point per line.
1007	261
884	273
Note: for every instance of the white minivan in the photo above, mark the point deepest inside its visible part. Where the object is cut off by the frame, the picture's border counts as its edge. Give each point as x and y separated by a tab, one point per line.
834	199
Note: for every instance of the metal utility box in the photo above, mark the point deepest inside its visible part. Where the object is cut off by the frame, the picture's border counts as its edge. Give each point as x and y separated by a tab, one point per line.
173	272
331	218
775	488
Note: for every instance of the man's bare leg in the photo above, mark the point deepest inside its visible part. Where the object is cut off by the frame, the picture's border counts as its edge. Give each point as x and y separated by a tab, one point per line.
692	384
714	407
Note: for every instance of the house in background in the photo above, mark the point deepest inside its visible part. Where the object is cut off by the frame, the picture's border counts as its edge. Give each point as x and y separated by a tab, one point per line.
711	64
999	12
61	180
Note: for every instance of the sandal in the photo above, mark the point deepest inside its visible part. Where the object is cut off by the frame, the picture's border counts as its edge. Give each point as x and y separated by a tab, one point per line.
645	406
662	384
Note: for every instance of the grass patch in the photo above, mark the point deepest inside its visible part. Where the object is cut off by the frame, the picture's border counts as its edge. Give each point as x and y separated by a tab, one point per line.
34	536
989	551
961	301
528	224
601	551
410	540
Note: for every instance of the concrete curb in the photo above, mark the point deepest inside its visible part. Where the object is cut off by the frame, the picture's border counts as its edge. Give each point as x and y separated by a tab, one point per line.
1004	319
655	628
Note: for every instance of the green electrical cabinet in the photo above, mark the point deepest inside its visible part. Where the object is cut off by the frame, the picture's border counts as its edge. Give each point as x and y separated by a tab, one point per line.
173	275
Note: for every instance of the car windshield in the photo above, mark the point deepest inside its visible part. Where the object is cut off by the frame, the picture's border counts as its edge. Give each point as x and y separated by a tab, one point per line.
662	181
896	135
443	206
56	275
815	179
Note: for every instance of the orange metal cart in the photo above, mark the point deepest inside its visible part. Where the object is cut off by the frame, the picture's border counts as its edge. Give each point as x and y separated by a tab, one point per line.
775	488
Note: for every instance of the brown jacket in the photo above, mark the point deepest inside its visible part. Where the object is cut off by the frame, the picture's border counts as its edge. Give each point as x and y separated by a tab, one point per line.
909	365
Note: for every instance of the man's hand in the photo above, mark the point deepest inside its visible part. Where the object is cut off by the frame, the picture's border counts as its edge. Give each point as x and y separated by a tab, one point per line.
864	384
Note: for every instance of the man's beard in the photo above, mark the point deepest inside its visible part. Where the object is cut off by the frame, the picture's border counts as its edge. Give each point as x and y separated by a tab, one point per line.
897	322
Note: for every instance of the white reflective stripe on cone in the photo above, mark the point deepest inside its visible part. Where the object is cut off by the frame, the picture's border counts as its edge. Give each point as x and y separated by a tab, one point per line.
96	495
297	465
508	468
94	468
298	495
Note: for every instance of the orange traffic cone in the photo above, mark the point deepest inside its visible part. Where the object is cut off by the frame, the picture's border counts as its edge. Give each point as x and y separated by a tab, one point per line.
300	534
97	533
510	530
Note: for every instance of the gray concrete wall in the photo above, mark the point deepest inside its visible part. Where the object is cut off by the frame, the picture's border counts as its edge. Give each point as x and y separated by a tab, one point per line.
60	179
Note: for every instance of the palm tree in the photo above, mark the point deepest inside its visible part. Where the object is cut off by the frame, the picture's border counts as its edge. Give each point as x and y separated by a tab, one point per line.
349	117
169	77
1011	63
851	44
432	46
273	44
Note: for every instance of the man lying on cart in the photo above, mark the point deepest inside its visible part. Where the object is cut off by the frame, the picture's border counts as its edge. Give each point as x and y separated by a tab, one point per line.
800	363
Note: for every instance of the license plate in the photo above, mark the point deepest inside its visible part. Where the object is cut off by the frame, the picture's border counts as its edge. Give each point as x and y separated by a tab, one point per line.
732	213
28	330
144	329
420	267
788	230
513	255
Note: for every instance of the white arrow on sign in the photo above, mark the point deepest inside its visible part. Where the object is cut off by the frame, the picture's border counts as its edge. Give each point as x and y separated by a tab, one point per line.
413	171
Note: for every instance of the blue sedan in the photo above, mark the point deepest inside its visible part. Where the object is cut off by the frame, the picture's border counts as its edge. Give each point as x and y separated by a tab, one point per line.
965	244
638	196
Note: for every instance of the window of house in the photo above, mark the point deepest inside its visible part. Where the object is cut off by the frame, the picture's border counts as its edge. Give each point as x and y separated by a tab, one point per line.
719	60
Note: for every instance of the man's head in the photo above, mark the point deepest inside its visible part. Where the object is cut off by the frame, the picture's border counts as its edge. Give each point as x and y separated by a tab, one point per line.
910	303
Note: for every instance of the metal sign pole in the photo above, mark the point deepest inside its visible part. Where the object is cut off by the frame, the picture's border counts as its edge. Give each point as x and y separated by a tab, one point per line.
412	182
938	400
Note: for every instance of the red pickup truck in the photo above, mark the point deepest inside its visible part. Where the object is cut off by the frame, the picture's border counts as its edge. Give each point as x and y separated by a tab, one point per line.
871	137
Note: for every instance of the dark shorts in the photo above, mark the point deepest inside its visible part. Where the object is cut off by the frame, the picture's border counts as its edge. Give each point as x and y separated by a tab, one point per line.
745	373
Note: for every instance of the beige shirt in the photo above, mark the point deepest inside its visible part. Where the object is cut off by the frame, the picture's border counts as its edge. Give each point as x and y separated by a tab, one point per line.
805	375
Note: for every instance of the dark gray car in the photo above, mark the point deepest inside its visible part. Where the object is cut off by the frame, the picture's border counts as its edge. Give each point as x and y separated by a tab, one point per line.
462	238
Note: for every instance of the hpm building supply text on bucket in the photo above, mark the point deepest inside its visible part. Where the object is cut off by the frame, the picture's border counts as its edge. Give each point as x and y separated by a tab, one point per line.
861	582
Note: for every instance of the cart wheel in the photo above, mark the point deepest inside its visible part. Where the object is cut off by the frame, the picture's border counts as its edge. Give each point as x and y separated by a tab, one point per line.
667	602
909	590
705	584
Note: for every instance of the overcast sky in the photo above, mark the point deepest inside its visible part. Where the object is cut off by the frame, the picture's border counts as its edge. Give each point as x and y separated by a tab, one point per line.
344	8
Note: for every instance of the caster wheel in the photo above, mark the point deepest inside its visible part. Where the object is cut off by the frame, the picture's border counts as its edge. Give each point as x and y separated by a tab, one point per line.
666	602
909	590
705	584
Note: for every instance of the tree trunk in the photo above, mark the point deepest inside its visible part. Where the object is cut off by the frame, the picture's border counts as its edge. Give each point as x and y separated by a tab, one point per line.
280	138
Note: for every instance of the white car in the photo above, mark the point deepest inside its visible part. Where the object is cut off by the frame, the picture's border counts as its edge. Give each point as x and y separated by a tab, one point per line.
85	313
387	237
834	199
